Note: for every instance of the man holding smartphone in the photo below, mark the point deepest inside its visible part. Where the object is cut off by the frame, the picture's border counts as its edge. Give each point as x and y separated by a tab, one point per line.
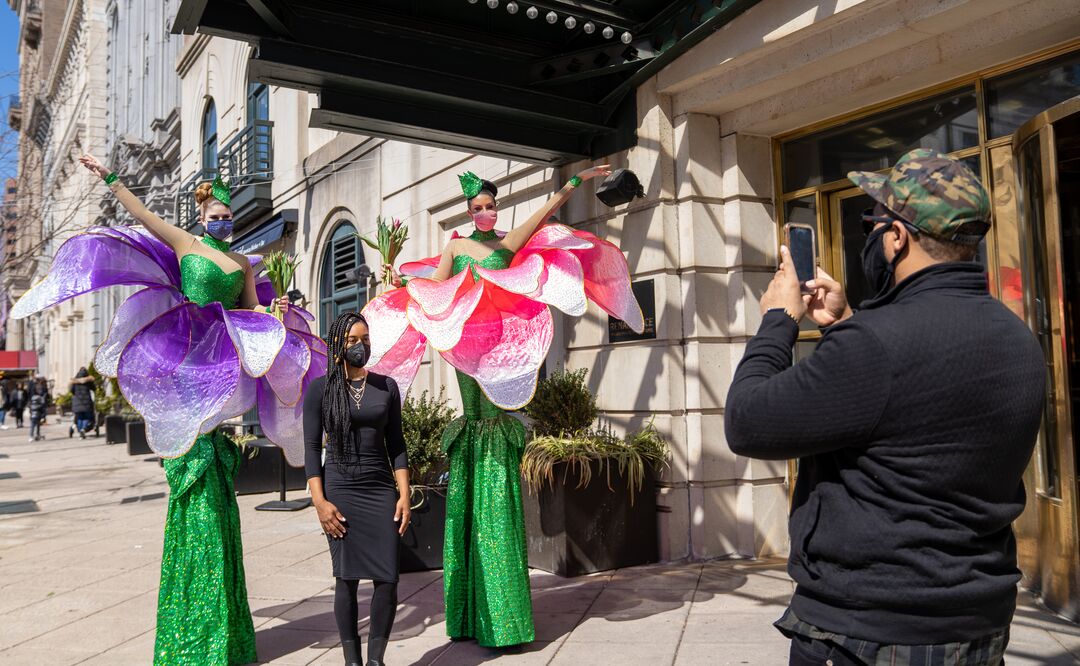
913	422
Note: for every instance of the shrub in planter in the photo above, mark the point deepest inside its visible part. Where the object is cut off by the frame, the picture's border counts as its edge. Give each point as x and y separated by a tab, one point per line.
423	420
562	405
63	402
590	501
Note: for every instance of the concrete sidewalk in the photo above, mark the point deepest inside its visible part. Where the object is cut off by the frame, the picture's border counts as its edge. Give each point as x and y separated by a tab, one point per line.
80	552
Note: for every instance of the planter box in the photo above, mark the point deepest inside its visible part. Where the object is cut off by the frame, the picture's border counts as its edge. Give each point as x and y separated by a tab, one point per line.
574	531
136	439
262	474
115	429
422	545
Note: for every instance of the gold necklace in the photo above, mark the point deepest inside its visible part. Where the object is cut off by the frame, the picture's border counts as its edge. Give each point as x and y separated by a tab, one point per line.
357	393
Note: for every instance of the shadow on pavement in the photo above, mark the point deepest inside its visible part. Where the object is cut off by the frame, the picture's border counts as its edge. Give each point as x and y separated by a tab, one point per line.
559	606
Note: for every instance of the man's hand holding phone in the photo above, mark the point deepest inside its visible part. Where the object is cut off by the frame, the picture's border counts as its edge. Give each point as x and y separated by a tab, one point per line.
785	291
827	302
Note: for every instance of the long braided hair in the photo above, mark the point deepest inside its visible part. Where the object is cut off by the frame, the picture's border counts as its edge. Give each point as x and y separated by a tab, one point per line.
336	418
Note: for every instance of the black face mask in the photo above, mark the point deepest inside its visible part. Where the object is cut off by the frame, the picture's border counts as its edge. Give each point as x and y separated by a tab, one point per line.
358	354
877	269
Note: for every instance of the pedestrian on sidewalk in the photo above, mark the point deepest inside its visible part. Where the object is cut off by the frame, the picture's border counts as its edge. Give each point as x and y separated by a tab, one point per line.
5	400
913	422
19	399
361	494
82	403
38	403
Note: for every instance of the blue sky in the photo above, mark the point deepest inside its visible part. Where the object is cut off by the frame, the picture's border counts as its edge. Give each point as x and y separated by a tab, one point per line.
9	68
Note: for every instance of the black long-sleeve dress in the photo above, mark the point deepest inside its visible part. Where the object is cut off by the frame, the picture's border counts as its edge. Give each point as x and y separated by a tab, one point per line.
359	480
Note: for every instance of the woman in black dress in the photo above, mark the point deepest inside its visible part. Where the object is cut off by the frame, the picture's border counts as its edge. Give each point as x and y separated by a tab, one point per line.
362	491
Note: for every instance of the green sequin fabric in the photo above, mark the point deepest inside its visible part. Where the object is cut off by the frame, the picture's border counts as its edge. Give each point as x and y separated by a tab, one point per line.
205	282
485	558
500	258
203	615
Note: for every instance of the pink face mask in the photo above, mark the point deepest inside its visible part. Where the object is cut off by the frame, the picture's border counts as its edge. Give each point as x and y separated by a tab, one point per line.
485	219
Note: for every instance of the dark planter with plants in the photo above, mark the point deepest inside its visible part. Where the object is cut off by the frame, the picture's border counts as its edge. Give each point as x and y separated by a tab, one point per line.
260	470
589	496
574	530
422	544
136	439
115	429
423	420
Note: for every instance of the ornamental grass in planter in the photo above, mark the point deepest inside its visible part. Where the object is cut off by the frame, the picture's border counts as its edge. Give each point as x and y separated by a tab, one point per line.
591	500
423	420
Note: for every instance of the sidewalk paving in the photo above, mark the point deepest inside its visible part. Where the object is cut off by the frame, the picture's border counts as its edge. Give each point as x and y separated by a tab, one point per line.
80	552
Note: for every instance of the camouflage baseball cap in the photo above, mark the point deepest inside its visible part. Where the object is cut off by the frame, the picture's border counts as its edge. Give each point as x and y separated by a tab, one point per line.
933	193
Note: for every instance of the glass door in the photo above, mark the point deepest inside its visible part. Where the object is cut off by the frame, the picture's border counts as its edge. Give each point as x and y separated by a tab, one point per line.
1046	154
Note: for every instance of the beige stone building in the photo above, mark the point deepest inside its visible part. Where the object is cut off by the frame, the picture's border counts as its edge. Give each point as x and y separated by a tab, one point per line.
747	119
62	76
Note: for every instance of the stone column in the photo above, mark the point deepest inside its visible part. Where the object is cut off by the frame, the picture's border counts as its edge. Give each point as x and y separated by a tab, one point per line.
727	249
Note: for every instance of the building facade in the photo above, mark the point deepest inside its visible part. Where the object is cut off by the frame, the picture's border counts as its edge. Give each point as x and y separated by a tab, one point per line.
62	75
142	140
98	77
39	30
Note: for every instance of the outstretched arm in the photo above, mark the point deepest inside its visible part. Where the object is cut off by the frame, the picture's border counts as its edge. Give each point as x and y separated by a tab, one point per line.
517	237
175	237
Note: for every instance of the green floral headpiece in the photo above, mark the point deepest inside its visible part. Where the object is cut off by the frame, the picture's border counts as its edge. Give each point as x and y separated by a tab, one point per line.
220	191
470	184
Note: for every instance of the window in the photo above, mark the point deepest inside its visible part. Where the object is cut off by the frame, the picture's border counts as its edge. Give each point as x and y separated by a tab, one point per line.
1014	98
339	290
947	123
258	102
210	137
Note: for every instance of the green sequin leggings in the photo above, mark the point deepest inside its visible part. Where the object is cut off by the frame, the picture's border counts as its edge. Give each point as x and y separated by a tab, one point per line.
485	568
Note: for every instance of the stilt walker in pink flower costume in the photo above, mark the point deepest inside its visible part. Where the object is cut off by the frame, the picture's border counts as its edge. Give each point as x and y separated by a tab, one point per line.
483	305
199	343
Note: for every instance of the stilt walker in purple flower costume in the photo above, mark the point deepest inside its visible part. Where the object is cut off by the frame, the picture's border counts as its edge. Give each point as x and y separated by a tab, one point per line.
202	341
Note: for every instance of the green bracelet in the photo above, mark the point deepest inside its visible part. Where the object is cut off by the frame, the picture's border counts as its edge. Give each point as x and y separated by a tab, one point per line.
575	181
111	178
268	310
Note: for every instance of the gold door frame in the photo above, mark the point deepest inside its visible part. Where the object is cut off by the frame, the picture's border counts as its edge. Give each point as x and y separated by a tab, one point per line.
1057	571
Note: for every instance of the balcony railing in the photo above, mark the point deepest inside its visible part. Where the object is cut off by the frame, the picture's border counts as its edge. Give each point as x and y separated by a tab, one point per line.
245	163
187	213
248	158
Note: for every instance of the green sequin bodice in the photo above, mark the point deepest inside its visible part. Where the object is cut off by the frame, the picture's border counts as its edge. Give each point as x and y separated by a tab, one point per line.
497	260
204	282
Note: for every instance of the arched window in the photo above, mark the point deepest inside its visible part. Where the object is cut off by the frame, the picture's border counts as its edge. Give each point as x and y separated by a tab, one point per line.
340	292
209	140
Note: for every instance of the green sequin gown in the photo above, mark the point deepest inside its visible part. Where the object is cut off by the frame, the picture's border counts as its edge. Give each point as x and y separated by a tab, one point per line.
203	616
485	560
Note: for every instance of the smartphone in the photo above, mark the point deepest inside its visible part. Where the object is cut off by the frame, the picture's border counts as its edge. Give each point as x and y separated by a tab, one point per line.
801	243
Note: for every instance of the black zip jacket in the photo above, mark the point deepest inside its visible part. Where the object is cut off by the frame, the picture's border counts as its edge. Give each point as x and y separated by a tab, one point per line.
913	422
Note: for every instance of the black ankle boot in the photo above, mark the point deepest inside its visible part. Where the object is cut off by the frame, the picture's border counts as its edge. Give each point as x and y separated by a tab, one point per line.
352	652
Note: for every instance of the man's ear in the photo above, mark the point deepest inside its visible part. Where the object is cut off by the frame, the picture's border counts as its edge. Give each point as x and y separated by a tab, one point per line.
904	237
